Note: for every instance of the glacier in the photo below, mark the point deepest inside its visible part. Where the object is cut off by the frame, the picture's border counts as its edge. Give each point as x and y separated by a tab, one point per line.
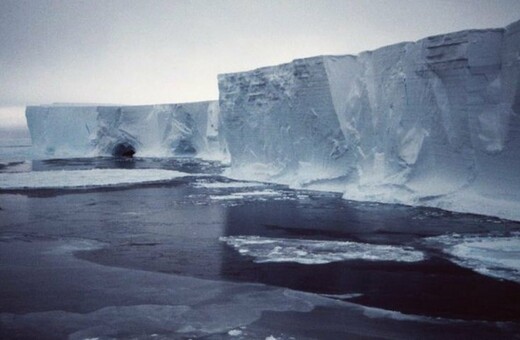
430	123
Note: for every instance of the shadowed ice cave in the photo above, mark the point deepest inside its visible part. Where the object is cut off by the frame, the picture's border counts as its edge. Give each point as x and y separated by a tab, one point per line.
123	150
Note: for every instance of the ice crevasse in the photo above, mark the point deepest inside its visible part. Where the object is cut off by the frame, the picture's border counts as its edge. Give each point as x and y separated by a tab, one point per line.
434	123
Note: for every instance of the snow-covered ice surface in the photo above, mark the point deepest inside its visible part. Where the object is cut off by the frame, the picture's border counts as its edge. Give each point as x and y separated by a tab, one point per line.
496	256
184	307
430	123
303	251
84	178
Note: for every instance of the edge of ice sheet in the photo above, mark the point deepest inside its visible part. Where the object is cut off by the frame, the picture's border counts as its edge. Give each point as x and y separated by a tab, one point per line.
264	249
495	256
85	178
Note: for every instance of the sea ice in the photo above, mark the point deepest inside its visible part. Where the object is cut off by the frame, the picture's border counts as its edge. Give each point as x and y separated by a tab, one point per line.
223	185
264	249
496	256
244	194
84	178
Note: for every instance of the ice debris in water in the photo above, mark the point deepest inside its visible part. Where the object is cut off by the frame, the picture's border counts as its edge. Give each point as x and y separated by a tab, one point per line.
249	194
303	251
224	185
234	332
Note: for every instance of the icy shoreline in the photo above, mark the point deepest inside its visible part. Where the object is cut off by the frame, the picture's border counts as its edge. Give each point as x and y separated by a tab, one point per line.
431	123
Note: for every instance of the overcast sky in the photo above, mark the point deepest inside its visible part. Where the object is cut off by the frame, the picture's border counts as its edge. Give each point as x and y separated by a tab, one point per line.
137	52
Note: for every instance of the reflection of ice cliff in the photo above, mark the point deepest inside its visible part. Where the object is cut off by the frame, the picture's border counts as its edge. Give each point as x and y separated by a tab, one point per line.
434	122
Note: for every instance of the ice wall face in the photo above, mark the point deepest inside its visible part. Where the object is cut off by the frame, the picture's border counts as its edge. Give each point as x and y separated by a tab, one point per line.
153	130
434	122
282	118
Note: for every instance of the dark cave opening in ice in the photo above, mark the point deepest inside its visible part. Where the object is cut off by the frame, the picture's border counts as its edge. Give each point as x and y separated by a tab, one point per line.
126	150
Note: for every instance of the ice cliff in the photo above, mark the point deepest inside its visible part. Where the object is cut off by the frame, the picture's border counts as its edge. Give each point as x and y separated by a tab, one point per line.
434	122
189	129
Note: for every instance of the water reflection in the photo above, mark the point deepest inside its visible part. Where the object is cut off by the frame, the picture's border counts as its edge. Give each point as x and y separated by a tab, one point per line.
175	228
434	286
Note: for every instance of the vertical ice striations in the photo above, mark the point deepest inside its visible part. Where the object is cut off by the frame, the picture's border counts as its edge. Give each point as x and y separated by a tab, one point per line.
150	130
61	130
433	122
280	123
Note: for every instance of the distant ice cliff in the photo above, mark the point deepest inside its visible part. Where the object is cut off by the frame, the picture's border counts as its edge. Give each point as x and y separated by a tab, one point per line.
189	129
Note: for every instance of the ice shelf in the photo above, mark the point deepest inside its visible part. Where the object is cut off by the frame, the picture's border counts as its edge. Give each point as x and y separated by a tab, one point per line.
433	123
189	129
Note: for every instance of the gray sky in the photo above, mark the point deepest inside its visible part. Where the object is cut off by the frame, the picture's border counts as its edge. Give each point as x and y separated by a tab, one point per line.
137	52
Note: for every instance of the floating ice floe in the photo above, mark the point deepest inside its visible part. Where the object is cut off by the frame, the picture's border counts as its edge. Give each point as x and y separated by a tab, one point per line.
84	178
224	185
265	249
496	256
235	332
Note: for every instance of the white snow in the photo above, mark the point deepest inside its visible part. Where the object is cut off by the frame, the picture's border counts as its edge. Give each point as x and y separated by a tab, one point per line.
84	178
303	251
496	256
